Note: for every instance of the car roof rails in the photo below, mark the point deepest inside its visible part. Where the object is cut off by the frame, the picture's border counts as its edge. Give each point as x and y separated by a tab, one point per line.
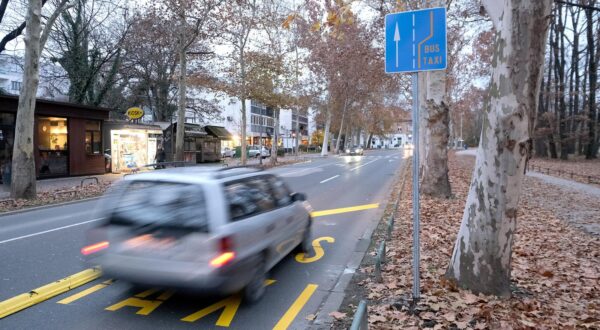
236	170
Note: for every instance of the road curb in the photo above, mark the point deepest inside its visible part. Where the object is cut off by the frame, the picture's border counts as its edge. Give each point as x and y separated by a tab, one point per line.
41	207
336	296
36	296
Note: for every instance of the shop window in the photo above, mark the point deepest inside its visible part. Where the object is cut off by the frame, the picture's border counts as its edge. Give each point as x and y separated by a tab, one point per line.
53	134
93	137
52	146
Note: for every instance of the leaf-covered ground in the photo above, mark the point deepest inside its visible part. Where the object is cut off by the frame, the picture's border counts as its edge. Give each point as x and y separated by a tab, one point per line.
582	169
66	194
555	269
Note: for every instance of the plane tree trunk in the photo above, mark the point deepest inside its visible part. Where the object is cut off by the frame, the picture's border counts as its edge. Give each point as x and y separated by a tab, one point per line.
481	259
180	140
435	169
23	183
324	149
23	178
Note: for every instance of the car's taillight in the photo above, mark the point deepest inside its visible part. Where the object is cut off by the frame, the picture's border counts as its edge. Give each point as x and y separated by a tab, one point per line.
94	248
226	244
222	259
226	253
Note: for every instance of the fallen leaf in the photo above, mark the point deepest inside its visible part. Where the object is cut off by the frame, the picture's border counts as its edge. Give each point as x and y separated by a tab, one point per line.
337	315
462	325
376	318
311	317
547	273
450	316
528	323
470	298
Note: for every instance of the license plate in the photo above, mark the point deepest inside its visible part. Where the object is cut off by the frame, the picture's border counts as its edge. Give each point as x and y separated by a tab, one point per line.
149	242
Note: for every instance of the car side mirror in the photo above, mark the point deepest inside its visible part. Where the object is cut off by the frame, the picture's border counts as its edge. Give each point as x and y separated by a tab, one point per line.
298	197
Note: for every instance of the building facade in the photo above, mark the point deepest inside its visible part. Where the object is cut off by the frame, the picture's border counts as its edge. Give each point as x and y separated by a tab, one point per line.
67	138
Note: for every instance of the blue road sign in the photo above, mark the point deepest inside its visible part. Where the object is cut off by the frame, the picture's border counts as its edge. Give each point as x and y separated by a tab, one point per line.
415	41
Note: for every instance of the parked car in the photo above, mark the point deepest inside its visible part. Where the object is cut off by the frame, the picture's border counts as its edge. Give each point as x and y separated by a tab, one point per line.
255	151
355	150
227	152
213	230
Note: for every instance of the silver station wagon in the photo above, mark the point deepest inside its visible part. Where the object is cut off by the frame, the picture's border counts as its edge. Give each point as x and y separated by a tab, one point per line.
213	230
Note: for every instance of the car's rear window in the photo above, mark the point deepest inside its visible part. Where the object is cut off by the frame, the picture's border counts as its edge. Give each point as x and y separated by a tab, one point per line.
162	204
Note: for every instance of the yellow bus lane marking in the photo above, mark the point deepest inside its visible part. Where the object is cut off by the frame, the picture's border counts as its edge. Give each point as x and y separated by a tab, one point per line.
229	306
319	251
431	33
147	293
35	296
85	292
296	307
145	306
344	210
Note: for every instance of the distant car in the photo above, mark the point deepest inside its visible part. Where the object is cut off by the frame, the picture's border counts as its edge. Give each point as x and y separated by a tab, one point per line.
227	152
257	151
213	230
355	150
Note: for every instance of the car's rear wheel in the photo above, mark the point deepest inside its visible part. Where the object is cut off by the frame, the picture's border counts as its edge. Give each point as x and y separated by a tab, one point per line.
306	244
255	290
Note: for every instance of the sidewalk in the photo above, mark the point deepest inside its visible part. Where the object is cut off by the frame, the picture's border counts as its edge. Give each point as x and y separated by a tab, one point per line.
573	202
575	186
49	185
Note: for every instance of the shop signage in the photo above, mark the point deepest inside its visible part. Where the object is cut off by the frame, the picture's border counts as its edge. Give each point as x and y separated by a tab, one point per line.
134	113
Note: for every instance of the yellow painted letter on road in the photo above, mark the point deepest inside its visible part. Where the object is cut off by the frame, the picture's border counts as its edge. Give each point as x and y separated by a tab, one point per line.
145	306
228	305
319	252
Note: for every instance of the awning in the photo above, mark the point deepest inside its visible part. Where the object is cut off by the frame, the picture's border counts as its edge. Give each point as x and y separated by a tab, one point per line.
218	132
194	133
194	130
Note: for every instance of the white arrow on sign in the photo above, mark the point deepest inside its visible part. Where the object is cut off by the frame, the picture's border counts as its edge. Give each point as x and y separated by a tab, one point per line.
397	39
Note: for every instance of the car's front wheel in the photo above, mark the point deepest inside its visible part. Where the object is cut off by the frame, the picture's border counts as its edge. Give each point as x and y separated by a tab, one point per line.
306	244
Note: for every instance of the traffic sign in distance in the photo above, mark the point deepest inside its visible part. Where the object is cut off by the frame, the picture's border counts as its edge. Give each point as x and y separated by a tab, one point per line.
415	41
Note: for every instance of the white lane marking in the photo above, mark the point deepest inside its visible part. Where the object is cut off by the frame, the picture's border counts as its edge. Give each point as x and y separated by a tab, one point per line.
352	169
326	180
49	231
282	170
303	172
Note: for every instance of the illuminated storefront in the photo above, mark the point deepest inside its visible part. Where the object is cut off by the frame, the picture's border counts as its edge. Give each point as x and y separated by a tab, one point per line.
131	145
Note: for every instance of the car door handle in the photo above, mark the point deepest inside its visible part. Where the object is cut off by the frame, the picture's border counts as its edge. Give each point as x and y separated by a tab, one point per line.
270	228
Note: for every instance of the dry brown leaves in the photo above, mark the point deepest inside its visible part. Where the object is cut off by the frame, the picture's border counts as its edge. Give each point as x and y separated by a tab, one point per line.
561	168
555	270
56	196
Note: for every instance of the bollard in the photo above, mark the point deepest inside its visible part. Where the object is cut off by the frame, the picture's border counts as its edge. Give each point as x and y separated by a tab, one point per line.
390	228
381	252
377	271
361	317
90	178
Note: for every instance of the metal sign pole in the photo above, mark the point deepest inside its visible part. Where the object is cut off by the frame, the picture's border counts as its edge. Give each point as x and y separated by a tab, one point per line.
416	229
415	41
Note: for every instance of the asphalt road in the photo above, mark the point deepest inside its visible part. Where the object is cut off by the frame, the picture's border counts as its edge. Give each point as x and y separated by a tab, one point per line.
42	246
